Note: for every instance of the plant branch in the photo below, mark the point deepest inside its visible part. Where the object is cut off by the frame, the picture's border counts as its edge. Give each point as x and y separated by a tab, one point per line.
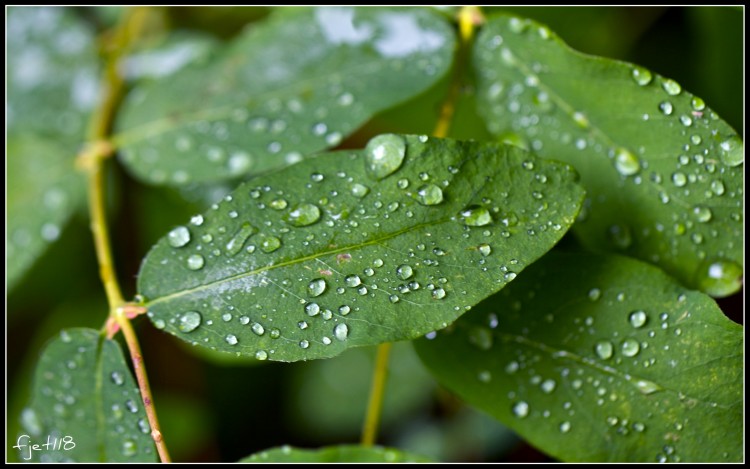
92	159
370	429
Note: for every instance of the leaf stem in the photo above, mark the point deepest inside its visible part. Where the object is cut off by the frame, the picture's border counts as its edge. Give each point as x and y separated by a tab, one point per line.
370	429
140	374
469	17
91	160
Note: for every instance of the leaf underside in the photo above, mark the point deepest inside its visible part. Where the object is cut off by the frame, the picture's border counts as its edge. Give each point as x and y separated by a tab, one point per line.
600	358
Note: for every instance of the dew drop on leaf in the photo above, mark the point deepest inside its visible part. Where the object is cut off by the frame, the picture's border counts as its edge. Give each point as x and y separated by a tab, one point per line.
269	243
341	332
189	321
384	155
404	271
732	151
117	378
353	281
429	194
258	329
626	162
178	237
638	319
231	339
630	347
195	262
521	409
642	76
671	87
316	287
303	214
604	349
476	215
719	278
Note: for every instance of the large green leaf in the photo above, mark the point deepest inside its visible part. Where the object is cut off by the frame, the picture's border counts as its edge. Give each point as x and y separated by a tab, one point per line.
296	84
85	404
601	358
357	248
52	87
663	172
334	454
43	191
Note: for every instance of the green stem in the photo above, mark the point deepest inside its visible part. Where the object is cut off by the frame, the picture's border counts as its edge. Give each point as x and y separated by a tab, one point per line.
92	159
370	430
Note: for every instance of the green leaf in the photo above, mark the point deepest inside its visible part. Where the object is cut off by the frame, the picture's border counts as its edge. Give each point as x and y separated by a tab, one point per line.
43	191
601	358
663	172
337	252
52	73
341	453
296	84
52	87
86	403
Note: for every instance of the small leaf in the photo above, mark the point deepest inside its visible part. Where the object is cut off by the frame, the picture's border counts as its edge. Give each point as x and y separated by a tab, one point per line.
663	172
334	253
43	192
600	358
298	83
341	453
86	403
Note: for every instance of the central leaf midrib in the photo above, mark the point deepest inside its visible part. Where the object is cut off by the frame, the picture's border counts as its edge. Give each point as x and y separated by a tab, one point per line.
290	262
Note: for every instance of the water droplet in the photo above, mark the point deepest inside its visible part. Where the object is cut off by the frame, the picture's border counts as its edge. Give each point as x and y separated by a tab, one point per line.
647	387
341	332
258	329
732	151
312	309
666	108
429	194
344	310
702	214
438	293
565	427
642	76
129	448
195	262
131	406
353	280
190	321
278	204
404	271
31	422
626	162
595	294
302	325
630	347
620	236
269	243
261	355
521	409
671	87
316	287
394	298
679	179
548	385
719	278
303	215
476	215
178	237
512	367
717	187
485	249
117	377
604	349
143	426
384	155
359	190
638	319
686	120
238	240
231	339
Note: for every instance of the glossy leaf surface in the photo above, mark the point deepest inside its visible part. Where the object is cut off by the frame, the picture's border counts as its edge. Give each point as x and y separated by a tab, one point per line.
297	84
357	248
663	172
601	358
86	403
